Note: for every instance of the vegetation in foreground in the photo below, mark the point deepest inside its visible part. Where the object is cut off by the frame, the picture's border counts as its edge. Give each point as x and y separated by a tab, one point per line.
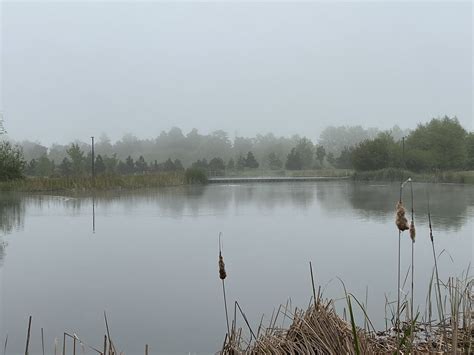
447	326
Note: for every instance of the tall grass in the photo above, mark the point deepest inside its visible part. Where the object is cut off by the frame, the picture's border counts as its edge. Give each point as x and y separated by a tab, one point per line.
103	182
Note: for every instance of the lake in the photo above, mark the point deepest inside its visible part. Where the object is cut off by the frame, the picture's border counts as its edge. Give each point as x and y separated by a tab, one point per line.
151	262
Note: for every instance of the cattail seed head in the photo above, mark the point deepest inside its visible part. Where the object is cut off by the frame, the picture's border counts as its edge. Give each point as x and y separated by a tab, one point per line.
412	231
400	219
222	273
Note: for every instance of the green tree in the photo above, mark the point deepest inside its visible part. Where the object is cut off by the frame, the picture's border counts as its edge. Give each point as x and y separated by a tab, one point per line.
381	152
100	167
141	165
443	140
305	150
250	161
65	168
216	164
231	164
76	156
31	167
241	163
45	166
110	164
293	161
274	162
11	162
129	165
200	164
320	154
344	160
470	151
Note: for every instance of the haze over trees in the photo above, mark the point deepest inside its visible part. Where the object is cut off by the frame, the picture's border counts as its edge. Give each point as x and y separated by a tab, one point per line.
439	144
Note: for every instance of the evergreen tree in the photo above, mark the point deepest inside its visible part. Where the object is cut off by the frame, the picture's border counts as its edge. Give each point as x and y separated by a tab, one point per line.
305	150
250	161
293	161
100	167
129	165
65	168
241	163
77	159
141	165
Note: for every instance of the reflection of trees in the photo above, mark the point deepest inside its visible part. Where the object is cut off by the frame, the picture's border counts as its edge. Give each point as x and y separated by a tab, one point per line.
190	200
448	202
12	210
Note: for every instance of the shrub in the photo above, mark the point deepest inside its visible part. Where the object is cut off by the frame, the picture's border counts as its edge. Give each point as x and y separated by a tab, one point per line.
195	176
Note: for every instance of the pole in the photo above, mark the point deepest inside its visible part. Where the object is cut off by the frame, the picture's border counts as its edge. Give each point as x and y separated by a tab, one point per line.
93	160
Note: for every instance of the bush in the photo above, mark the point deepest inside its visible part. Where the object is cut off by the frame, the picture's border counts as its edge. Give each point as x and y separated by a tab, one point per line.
195	176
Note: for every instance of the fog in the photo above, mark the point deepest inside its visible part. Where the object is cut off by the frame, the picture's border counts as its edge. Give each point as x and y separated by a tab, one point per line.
72	70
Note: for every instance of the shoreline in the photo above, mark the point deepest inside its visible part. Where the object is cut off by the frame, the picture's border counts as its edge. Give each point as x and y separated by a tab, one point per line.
173	179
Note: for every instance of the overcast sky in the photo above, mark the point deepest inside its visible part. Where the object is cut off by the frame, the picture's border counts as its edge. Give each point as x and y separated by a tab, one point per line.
72	70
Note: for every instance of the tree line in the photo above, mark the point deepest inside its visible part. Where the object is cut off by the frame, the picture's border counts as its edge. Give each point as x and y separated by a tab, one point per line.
441	143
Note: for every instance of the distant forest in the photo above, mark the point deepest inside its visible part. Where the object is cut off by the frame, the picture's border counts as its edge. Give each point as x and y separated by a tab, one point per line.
176	150
441	143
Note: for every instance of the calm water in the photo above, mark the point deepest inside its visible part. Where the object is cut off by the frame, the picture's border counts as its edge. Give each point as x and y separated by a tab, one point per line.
152	261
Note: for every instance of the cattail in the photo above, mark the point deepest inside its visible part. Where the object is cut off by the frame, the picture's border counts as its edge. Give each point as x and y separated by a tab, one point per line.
400	220
222	273
412	231
222	276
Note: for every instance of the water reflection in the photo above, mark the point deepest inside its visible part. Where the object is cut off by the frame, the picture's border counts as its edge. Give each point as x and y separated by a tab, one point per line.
12	210
449	203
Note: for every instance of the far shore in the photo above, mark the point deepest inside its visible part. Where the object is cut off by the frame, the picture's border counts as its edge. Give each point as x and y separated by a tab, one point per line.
131	182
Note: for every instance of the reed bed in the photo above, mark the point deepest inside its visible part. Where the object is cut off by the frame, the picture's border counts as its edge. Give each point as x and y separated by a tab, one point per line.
103	182
320	330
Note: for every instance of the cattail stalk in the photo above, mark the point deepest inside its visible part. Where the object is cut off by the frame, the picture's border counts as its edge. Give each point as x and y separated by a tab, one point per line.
222	276
402	225
438	288
412	236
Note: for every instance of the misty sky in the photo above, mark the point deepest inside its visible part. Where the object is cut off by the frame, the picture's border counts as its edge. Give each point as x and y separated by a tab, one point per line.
72	70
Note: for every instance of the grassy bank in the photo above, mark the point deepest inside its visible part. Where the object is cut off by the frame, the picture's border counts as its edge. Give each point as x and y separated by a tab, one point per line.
111	182
392	174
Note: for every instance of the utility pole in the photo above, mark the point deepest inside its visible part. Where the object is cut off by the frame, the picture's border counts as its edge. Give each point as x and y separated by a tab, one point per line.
93	160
